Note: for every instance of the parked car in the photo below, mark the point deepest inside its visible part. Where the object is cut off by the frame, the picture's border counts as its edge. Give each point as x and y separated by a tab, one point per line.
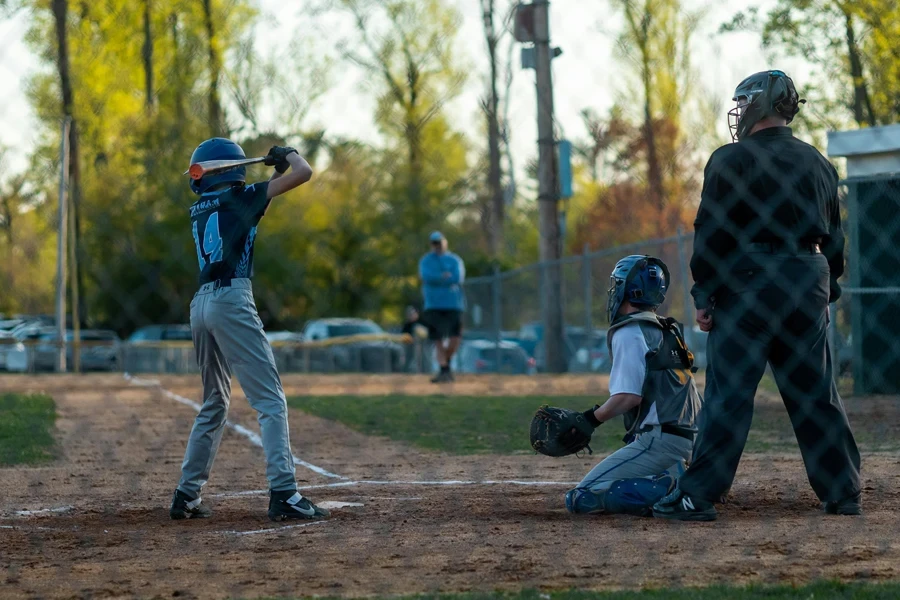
288	358
590	357
480	356
369	356
20	355
100	351
7	325
158	333
7	343
145	354
595	359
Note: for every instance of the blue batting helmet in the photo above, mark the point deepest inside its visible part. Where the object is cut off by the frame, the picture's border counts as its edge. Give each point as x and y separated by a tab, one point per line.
218	149
640	279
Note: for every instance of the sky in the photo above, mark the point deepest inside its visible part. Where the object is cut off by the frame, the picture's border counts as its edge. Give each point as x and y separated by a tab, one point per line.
587	74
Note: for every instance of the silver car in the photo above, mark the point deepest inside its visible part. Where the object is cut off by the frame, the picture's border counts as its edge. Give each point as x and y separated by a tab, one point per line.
99	351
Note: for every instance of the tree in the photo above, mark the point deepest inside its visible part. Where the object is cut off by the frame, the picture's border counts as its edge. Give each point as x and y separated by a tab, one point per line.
494	213
131	197
406	46
849	42
656	41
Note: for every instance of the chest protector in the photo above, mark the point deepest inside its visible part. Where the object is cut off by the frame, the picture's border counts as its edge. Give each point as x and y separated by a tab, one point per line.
669	386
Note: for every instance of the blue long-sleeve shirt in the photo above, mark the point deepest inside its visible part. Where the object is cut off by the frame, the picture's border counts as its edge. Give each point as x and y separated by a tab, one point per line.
443	292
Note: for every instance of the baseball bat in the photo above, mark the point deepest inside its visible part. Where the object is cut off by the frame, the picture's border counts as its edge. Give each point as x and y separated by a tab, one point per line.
211	167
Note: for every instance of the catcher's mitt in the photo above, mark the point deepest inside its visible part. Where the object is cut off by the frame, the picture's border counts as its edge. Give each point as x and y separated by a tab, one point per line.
560	431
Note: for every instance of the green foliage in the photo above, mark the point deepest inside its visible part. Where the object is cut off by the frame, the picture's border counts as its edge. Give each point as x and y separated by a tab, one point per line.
834	35
348	242
26	429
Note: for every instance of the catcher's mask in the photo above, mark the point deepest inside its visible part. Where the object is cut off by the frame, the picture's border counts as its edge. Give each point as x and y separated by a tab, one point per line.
640	279
764	94
218	149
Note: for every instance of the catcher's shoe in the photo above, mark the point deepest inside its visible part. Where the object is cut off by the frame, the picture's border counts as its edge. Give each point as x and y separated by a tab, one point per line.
185	507
584	501
848	507
292	505
681	507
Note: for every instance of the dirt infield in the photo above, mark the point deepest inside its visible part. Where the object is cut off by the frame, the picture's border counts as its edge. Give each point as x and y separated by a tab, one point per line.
98	526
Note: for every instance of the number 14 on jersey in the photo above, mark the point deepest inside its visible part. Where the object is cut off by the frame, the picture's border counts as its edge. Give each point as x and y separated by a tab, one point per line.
211	249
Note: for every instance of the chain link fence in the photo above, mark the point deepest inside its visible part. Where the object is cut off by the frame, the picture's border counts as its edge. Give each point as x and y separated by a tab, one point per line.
433	488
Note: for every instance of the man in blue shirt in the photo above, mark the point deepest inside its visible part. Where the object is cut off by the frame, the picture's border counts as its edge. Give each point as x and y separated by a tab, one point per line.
442	275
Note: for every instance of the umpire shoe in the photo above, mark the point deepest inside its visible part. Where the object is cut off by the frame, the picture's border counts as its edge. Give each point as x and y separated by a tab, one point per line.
185	507
848	507
681	507
291	505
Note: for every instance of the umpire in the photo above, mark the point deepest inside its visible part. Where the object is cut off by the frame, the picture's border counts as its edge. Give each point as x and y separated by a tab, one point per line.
768	250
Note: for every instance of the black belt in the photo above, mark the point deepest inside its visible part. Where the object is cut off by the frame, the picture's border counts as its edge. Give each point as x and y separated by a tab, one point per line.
784	248
679	431
220	283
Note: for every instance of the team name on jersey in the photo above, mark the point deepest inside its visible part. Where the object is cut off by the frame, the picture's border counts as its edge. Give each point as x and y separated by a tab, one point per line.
204	205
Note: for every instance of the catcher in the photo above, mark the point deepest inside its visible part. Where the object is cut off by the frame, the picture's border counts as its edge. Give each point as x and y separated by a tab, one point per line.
651	383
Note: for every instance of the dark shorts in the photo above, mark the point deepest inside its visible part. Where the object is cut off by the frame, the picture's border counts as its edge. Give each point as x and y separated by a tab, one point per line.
442	324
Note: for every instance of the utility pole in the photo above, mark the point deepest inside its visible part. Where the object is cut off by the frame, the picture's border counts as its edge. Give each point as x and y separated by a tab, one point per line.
548	192
61	246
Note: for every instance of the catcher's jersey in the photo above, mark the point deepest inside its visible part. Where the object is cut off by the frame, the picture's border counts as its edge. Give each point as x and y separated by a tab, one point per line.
650	360
223	224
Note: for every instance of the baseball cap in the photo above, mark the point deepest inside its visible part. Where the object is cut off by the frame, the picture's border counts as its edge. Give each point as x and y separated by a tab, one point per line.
436	236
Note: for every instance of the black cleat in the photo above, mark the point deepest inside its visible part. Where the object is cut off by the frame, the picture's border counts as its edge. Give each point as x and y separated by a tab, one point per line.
442	377
292	505
847	507
681	507
185	507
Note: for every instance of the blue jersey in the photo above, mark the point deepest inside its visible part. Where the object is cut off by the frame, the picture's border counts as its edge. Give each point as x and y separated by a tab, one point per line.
224	227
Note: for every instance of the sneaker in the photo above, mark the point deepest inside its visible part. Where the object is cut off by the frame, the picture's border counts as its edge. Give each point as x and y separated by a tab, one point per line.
681	507
185	507
848	507
292	505
442	377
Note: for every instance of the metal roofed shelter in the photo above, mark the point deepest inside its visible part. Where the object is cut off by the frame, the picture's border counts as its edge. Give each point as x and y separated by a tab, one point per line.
873	230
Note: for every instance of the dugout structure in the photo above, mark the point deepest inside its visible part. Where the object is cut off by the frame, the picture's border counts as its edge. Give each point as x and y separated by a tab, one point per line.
873	231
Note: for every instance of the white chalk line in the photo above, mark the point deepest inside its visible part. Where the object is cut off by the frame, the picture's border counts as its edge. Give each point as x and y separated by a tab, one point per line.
43	511
20	527
452	482
335	504
252	437
271	529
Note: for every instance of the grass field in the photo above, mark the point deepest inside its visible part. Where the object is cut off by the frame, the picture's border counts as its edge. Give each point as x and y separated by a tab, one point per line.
499	425
454	424
26	429
815	591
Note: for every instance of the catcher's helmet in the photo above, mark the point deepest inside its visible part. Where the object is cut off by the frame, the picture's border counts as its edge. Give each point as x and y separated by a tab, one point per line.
763	94
640	279
218	149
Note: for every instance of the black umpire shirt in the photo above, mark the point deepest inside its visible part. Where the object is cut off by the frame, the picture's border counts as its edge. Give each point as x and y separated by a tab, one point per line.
768	188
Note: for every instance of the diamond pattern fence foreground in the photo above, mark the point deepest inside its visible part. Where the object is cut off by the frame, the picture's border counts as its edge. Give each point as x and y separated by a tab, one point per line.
431	488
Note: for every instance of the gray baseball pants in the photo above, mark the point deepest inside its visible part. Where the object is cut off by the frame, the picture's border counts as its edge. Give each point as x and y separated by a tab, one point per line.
650	454
228	335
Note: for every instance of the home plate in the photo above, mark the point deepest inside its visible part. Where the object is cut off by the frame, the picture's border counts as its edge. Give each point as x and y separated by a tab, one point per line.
330	504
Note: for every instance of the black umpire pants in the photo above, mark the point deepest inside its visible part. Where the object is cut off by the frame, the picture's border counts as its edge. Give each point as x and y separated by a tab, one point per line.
775	313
